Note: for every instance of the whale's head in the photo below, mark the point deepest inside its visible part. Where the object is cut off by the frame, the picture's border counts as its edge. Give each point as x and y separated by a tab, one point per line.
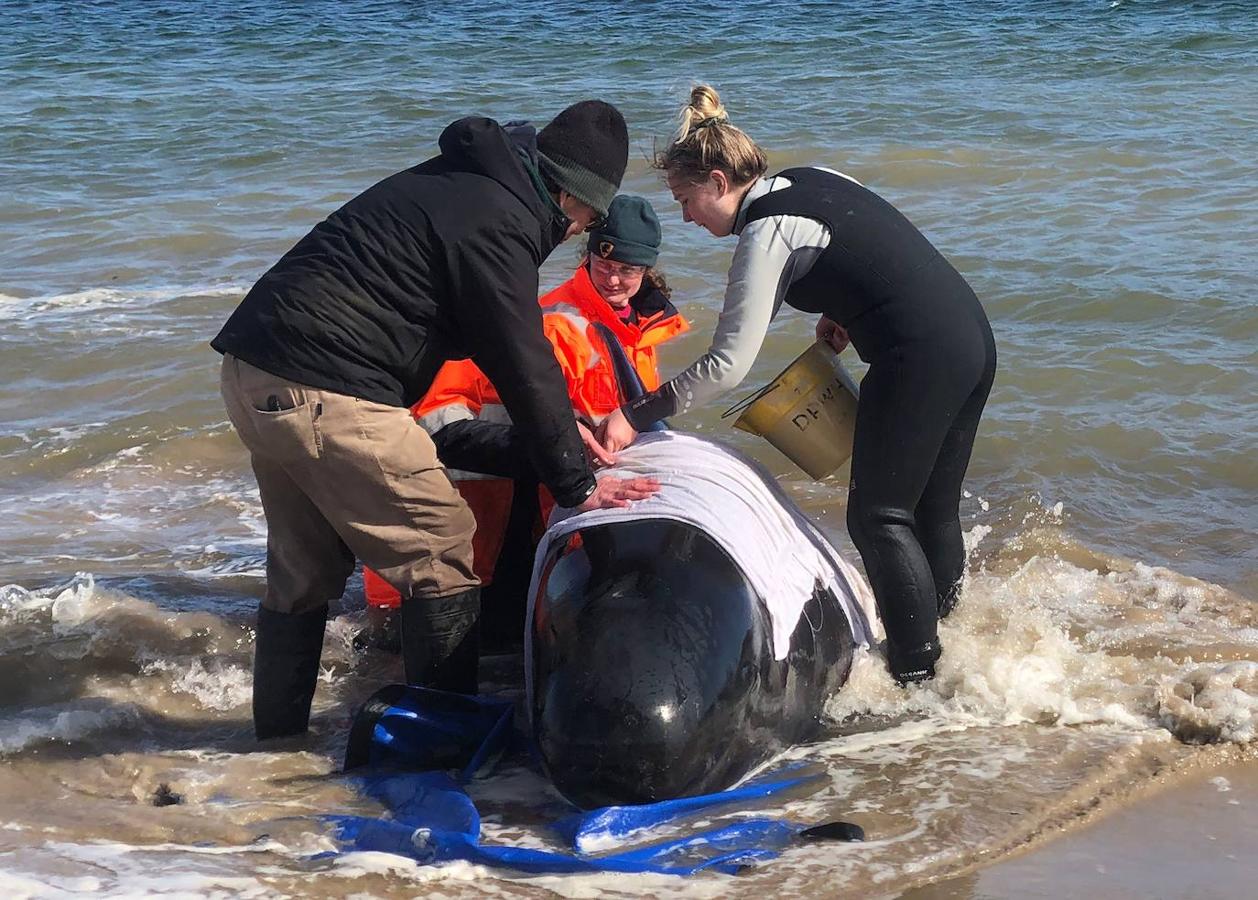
649	649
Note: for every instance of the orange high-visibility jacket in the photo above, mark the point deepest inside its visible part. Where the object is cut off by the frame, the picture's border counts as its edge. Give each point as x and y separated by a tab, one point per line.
461	391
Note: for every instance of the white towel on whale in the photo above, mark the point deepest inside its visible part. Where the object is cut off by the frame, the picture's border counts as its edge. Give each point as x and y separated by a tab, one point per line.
726	495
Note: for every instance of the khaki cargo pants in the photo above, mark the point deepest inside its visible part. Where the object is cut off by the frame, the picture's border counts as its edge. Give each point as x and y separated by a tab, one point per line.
342	478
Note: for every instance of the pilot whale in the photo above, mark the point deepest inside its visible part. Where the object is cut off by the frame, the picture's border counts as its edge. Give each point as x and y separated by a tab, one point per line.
674	646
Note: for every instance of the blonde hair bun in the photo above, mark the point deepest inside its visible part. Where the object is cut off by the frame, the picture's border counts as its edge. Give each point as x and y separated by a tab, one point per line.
706	140
705	108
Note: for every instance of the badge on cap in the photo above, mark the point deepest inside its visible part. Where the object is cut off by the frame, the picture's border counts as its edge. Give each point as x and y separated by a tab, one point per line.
606	248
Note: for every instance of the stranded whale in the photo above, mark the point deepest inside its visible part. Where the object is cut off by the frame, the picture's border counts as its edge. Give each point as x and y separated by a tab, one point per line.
674	646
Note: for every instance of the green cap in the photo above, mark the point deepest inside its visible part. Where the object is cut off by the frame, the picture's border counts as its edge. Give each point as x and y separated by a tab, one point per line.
631	234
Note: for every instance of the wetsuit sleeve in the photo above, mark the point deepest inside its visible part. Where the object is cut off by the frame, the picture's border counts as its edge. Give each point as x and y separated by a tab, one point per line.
490	448
450	412
495	304
771	253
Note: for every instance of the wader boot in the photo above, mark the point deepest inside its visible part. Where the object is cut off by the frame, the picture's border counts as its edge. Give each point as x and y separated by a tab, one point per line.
915	664
441	641
285	668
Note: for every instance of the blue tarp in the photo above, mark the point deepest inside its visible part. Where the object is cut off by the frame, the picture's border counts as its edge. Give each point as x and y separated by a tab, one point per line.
431	818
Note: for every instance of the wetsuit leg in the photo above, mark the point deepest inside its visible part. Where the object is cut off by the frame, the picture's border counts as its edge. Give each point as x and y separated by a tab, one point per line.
937	513
909	402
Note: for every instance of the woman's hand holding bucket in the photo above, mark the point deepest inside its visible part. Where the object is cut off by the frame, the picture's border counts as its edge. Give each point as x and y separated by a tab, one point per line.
832	333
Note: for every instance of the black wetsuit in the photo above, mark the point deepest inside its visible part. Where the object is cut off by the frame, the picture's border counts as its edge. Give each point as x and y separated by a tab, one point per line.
932	359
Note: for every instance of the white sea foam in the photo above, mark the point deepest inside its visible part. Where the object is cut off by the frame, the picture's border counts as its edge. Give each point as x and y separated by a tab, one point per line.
974	537
1211	703
67	604
497	882
1036	647
218	686
75	604
109	869
1022	671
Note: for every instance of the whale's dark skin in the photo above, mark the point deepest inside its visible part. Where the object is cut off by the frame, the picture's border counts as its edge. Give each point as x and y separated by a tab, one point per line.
653	669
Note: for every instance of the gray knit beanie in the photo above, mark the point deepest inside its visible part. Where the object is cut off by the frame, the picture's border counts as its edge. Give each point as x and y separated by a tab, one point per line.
584	151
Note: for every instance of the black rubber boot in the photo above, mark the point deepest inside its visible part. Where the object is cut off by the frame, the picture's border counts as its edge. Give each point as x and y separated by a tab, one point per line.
913	665
285	668
441	641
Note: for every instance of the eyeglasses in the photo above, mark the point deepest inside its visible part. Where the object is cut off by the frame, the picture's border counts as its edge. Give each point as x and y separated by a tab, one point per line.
620	270
596	223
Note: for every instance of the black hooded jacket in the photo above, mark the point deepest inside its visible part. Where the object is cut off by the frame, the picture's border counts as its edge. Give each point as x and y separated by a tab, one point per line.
434	263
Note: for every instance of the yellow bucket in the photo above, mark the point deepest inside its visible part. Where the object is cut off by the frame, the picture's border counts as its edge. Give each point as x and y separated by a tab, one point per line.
808	412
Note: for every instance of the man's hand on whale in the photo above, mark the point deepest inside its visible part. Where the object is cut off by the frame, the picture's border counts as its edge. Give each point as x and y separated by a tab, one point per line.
619	492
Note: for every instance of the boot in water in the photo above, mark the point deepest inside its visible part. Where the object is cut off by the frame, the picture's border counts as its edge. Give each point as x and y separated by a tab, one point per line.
383	630
286	654
441	641
914	665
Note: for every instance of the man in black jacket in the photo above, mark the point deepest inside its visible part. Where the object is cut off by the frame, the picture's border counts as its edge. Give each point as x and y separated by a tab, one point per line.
328	350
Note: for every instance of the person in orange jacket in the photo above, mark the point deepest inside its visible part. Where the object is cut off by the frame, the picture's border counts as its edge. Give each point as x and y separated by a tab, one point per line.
615	294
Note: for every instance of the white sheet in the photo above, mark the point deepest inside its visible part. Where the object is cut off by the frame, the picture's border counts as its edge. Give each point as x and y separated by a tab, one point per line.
739	505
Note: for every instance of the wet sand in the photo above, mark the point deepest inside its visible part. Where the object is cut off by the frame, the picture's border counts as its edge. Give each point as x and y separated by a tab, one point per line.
1190	836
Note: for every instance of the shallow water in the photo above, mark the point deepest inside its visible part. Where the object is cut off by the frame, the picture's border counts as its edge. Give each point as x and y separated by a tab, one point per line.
1090	169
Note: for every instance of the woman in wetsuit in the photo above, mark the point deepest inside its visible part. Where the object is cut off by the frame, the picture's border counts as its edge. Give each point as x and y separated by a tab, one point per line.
822	243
